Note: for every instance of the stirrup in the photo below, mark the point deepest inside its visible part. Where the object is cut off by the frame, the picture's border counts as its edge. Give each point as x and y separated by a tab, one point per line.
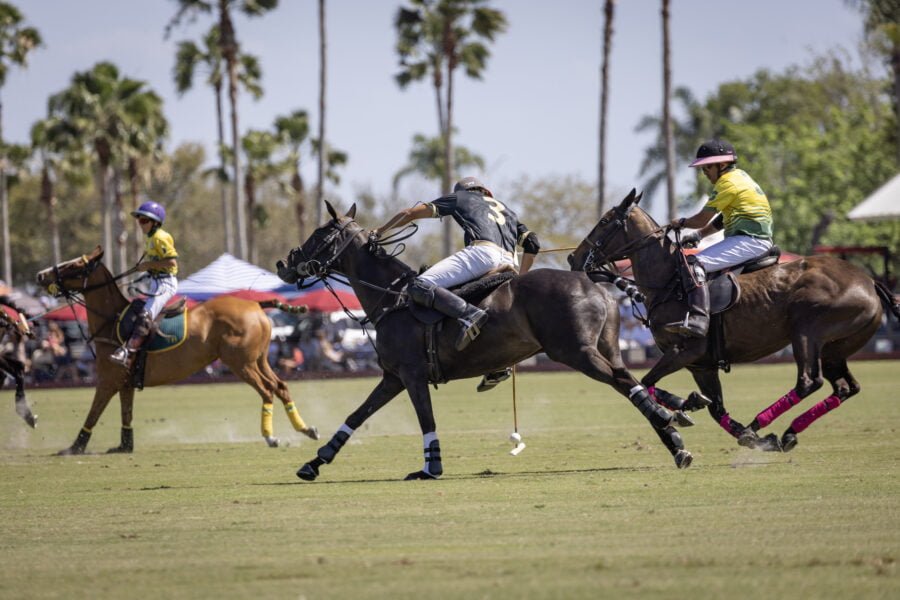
471	329
121	356
490	381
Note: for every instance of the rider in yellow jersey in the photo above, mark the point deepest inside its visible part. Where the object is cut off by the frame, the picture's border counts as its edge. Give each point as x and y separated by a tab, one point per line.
160	263
746	218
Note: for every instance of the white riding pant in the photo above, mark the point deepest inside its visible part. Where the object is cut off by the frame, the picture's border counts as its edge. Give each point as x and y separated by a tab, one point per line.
159	291
733	251
469	263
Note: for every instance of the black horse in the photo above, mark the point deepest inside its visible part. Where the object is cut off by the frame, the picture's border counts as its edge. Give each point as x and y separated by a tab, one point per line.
824	307
565	314
12	366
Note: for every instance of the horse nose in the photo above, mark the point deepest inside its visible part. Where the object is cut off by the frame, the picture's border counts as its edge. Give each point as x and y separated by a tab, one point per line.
571	259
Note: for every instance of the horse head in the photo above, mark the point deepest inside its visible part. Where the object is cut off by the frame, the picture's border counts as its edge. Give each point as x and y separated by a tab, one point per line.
70	276
317	255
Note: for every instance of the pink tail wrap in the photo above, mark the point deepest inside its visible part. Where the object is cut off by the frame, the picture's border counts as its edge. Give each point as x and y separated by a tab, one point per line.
817	411
779	408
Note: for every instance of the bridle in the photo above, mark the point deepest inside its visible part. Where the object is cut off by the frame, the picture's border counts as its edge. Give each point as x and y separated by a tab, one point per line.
597	259
312	265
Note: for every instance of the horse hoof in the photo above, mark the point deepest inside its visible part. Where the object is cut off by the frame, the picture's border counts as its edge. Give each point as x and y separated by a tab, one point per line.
696	401
120	450
23	411
272	442
308	472
683	459
748	438
770	443
788	442
418	475
312	432
682	419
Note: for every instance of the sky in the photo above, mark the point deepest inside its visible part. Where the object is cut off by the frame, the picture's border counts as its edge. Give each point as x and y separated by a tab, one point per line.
535	112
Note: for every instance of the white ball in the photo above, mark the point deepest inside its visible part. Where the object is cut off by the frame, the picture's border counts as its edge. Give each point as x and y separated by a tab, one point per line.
515	437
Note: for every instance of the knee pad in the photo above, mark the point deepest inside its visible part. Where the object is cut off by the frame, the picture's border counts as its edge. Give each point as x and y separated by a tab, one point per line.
421	291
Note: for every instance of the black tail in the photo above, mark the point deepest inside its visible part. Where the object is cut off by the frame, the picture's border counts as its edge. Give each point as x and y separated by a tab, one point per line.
888	299
282	306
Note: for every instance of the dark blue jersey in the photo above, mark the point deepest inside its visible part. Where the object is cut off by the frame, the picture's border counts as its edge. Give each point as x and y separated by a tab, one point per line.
482	218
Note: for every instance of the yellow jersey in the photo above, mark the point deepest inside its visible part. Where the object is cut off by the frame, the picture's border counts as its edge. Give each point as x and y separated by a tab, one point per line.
158	246
743	205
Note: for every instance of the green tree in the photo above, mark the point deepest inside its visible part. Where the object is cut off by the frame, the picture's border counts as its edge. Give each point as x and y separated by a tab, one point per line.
293	132
108	115
259	149
190	60
436	37
17	40
426	159
230	50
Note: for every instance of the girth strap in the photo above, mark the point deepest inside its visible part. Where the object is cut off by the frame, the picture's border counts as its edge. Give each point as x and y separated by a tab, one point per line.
435	375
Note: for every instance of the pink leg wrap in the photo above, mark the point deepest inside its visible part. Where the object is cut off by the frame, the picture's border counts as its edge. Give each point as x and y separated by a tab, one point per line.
652	391
810	416
725	423
776	410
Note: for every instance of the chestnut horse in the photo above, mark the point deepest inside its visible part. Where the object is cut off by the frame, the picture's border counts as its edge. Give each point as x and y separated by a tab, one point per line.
234	330
824	307
572	319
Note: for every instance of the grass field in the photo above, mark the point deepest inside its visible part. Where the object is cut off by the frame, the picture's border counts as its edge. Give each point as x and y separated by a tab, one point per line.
593	508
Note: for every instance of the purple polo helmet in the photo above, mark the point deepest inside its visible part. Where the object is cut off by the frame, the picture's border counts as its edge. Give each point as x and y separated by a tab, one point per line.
151	210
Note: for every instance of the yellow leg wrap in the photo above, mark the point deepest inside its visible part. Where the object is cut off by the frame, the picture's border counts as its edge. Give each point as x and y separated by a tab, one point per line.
266	425
294	415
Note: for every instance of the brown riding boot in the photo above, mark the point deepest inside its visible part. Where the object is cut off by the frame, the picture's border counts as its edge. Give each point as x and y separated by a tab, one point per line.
124	354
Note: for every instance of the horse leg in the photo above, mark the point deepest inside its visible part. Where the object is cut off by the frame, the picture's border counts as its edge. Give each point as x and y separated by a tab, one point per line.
386	390
102	396
250	373
595	365
843	387
421	399
280	389
807	354
675	359
126	445
17	372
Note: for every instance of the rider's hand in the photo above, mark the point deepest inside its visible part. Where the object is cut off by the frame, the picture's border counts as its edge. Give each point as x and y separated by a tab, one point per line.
677	223
691	239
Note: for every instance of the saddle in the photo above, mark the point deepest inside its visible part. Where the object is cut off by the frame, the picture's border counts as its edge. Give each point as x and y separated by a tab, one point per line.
473	292
167	332
724	292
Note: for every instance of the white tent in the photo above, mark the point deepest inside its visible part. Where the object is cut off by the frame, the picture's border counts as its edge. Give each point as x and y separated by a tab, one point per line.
883	203
227	274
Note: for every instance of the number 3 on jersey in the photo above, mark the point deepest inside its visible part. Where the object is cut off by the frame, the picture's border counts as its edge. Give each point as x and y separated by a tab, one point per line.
496	211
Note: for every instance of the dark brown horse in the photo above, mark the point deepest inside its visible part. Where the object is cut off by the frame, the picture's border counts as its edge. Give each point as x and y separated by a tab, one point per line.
824	307
573	320
12	365
234	330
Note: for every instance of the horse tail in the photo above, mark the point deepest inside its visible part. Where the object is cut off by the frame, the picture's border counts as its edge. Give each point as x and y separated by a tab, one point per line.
283	307
888	298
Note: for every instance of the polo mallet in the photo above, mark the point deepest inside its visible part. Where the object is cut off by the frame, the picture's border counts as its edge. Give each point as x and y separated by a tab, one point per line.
514	437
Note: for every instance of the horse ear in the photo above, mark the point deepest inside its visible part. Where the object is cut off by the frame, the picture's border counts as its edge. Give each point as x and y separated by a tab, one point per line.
352	212
629	200
331	210
638	199
97	254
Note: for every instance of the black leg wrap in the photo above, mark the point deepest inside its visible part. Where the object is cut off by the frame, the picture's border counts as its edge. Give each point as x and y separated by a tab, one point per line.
433	464
127	444
668	399
327	452
78	445
658	416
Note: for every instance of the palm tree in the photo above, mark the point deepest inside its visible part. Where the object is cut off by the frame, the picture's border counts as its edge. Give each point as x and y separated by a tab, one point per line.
427	160
105	113
882	28
230	50
667	117
293	132
322	156
191	58
259	149
608	9
17	40
436	37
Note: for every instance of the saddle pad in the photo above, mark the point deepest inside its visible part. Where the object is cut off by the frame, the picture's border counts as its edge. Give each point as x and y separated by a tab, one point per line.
169	333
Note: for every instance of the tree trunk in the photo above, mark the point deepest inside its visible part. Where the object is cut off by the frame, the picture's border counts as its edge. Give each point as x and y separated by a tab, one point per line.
448	155
300	203
895	68
4	210
120	223
250	192
229	52
101	175
608	9
48	197
667	117
137	235
323	153
227	212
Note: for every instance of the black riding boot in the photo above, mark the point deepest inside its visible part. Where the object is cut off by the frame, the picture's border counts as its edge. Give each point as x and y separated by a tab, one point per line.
696	321
470	317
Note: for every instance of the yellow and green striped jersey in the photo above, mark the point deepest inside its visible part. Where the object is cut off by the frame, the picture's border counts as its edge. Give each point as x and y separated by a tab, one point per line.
743	204
160	245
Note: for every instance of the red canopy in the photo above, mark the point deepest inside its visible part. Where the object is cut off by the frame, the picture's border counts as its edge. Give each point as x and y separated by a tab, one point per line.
256	295
324	301
64	313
